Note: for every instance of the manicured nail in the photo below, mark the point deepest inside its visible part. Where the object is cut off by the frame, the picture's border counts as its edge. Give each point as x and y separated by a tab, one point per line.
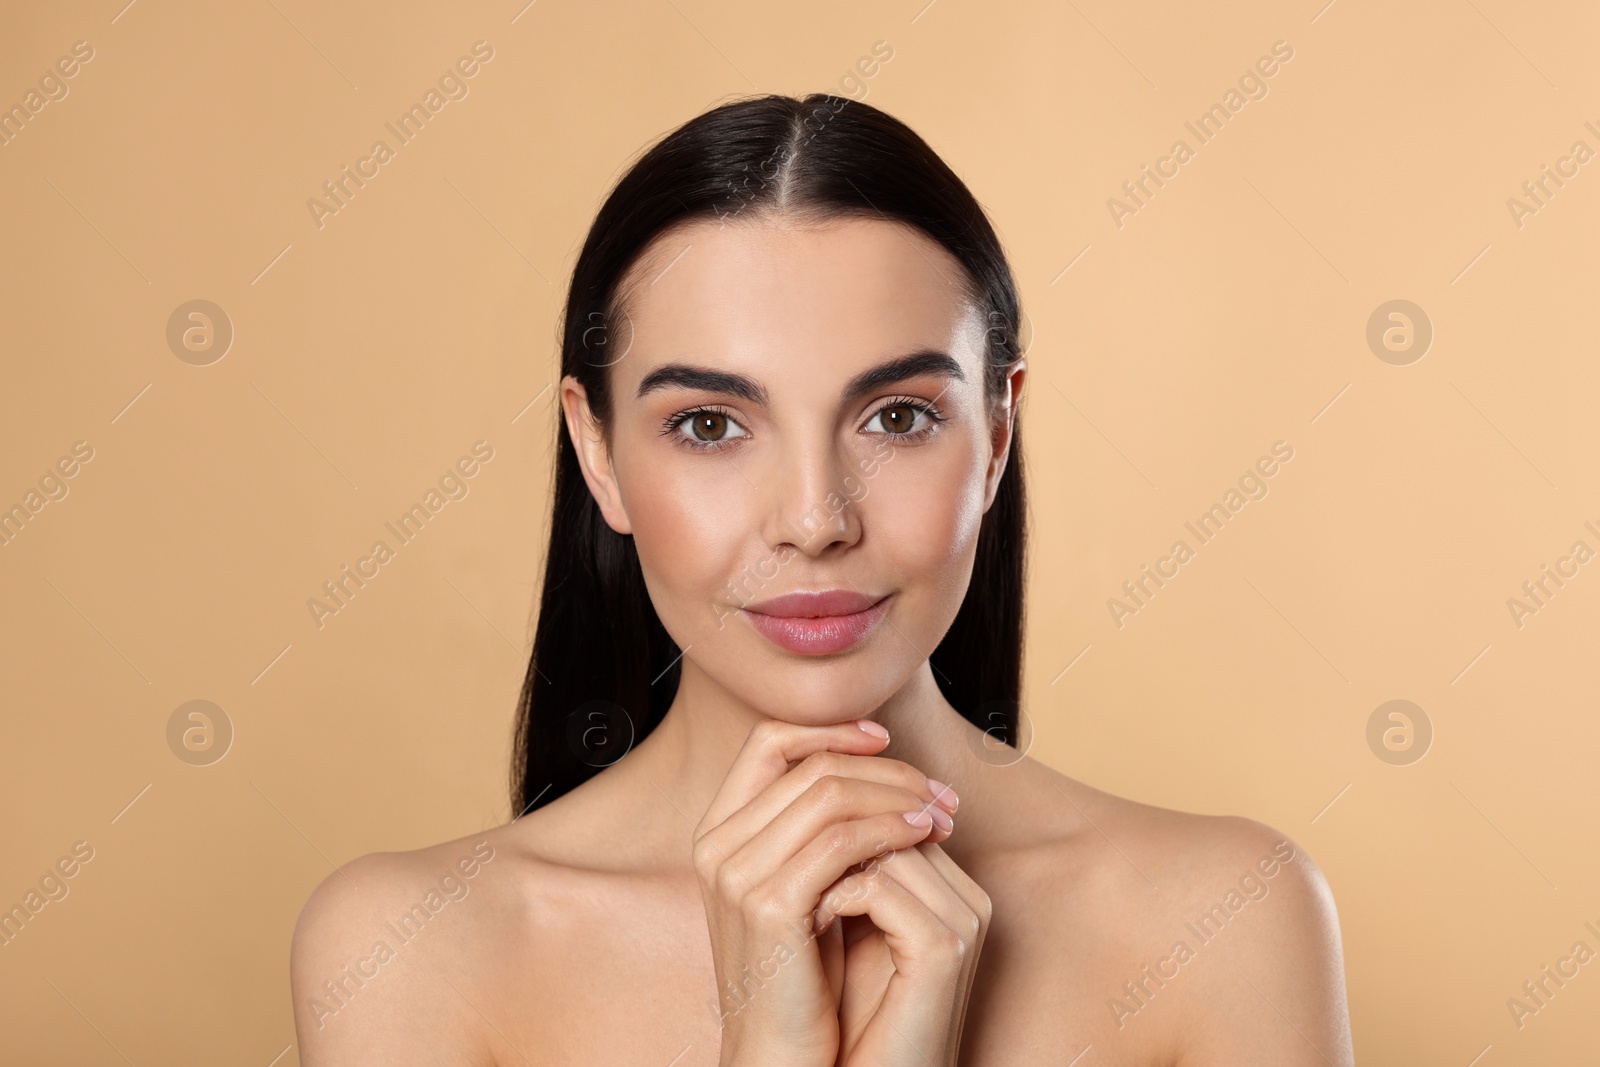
920	818
945	796
942	819
873	728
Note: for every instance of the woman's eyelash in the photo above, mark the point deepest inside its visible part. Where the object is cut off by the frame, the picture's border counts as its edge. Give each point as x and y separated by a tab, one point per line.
919	407
675	421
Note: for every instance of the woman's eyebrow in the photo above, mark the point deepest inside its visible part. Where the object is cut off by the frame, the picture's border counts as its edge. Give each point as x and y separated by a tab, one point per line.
685	376
919	364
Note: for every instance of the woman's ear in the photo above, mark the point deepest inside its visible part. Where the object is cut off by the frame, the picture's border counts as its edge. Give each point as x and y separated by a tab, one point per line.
594	455
1003	421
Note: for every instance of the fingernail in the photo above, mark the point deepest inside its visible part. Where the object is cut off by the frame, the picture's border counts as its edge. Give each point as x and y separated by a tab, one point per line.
873	728
920	818
944	795
942	819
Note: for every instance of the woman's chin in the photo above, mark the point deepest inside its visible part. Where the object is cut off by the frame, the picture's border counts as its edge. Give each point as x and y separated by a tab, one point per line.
825	706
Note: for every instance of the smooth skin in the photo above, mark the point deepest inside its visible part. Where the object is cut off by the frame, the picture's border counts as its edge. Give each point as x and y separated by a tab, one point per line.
664	912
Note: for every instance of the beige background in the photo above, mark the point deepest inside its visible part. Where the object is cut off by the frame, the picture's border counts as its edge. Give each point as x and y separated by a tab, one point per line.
1229	313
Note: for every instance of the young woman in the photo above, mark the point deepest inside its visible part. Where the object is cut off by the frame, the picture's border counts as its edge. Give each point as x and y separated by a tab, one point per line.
771	811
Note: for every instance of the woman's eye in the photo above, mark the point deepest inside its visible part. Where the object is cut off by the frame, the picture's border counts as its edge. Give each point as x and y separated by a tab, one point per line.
710	427
898	419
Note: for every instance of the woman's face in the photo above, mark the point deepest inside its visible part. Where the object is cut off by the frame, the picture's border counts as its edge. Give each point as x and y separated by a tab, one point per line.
799	408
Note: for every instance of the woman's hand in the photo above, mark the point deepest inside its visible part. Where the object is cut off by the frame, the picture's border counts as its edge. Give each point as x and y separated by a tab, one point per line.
772	841
908	972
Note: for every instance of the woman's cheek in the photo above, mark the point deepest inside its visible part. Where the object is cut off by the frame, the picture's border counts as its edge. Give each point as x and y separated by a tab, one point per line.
929	512
927	524
687	540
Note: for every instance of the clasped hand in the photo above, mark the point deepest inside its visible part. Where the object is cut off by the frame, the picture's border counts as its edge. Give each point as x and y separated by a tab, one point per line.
841	933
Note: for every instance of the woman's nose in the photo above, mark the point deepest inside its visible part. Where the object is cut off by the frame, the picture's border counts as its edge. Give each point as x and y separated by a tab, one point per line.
808	501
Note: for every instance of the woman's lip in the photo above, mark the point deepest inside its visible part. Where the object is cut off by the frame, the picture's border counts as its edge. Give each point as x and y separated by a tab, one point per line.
812	605
820	636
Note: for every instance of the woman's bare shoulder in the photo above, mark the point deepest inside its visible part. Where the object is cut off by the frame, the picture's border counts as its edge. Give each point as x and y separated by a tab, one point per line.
1155	843
396	956
1158	889
1132	858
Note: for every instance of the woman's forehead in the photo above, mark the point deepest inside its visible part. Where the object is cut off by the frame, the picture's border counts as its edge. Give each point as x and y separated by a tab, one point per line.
783	294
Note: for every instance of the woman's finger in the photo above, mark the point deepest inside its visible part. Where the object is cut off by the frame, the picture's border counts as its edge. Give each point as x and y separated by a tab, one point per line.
771	746
918	940
794	890
782	792
971	892
913	870
825	802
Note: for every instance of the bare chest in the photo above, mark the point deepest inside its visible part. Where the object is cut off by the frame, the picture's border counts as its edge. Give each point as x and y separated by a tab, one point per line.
641	988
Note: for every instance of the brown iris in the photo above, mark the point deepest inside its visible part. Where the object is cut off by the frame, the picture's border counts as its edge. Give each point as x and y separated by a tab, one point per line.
904	423
711	421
